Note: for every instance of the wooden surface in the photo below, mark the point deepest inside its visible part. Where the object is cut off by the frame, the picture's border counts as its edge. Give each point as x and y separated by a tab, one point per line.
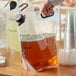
15	69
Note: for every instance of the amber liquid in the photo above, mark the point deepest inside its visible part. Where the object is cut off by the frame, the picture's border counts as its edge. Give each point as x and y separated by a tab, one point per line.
40	53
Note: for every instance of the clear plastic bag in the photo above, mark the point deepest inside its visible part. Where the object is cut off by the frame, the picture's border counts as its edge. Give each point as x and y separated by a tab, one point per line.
38	43
4	53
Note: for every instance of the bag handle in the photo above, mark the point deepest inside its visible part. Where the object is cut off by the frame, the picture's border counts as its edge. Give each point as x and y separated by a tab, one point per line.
47	16
26	5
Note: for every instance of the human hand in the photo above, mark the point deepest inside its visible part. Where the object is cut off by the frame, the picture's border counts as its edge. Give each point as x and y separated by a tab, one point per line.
47	8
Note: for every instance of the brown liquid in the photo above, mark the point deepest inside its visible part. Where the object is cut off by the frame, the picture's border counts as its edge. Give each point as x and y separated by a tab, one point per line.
42	53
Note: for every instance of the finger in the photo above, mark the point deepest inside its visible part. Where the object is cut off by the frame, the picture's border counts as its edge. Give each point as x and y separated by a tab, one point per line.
45	8
45	11
50	12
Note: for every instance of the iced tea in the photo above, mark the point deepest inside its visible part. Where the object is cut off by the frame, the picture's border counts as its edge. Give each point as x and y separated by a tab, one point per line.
40	50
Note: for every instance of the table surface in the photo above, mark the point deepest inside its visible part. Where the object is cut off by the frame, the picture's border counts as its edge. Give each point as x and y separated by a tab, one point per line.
15	69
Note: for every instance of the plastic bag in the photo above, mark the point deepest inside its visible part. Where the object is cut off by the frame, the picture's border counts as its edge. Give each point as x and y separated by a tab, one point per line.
38	44
4	53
